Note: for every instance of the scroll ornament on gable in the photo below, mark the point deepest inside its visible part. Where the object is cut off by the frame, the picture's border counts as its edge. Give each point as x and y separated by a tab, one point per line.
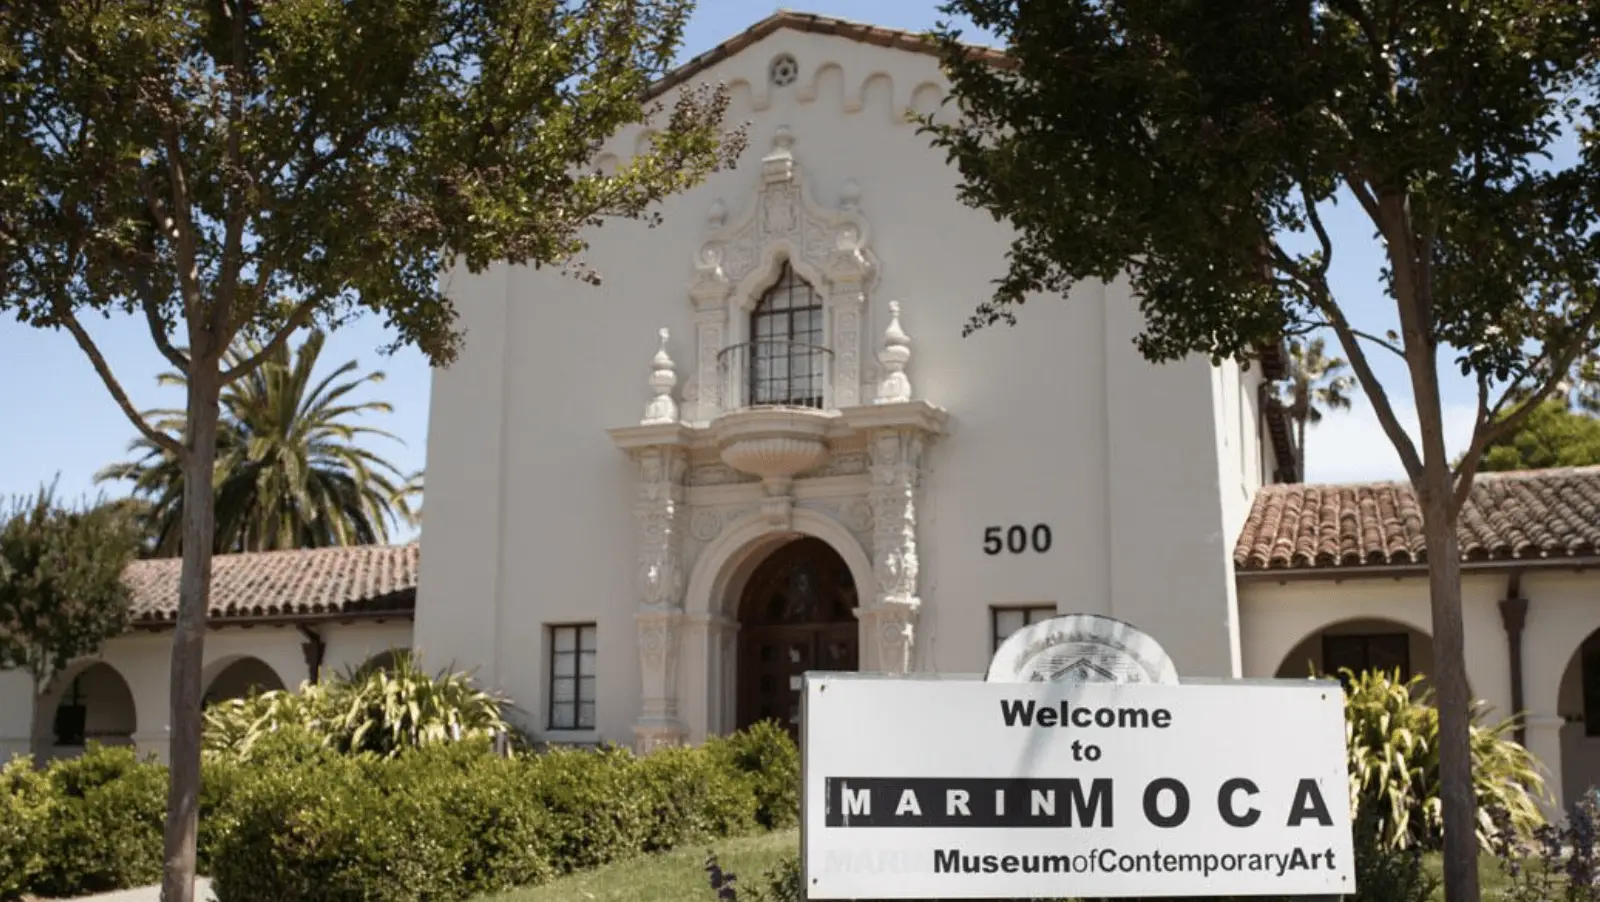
830	242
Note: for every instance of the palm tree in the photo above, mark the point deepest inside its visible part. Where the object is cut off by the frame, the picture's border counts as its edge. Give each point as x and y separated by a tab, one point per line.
412	489
289	473
1316	382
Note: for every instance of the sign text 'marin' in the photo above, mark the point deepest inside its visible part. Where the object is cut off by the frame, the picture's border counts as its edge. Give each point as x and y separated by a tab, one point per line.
976	802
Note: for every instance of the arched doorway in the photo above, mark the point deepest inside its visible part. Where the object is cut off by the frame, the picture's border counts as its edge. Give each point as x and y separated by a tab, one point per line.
1578	704
96	705
242	678
797	613
384	660
1361	645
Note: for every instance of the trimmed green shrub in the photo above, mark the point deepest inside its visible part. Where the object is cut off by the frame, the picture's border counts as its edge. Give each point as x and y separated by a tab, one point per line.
433	823
595	813
770	763
691	796
103	833
1391	734
24	812
289	816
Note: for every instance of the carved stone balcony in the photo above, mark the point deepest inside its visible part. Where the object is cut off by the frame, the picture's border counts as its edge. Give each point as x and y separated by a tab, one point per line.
775	444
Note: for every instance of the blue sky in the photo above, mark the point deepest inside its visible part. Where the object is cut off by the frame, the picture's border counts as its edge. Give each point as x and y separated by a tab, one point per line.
58	419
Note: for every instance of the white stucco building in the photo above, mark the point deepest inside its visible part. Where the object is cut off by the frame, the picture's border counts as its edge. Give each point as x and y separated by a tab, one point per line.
763	446
277	619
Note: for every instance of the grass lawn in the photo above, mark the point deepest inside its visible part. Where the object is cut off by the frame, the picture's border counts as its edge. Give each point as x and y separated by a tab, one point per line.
680	876
677	876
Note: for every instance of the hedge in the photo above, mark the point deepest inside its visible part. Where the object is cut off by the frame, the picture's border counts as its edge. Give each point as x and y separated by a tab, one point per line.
298	821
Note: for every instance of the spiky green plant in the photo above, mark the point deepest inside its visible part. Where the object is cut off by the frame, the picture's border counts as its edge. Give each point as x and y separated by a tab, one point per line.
1391	734
380	712
402	706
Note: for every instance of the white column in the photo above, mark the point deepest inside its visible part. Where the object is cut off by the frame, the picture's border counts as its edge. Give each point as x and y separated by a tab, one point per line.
1544	741
888	622
661	512
708	684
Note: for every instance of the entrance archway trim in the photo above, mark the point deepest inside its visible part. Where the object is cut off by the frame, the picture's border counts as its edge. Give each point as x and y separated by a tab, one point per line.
709	584
707	682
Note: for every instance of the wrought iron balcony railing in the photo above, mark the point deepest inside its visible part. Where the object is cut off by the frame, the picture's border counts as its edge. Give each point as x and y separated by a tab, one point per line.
774	372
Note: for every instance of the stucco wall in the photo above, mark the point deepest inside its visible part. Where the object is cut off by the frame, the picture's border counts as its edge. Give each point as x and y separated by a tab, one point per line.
1562	613
1058	421
143	662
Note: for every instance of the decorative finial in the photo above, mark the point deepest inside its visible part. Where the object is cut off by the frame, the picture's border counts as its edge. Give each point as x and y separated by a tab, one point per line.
662	410
778	164
894	387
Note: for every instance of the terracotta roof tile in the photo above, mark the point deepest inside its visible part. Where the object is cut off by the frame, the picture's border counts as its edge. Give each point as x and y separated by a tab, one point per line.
1532	515
289	584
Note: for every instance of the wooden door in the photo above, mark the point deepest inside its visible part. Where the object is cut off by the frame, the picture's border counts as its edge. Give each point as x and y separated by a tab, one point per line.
798	615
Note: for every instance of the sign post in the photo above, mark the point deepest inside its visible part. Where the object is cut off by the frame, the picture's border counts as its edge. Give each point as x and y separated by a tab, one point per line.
1079	768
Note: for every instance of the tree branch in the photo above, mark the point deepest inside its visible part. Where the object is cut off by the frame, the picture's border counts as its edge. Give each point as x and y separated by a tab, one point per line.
1491	426
1380	342
1373	389
158	329
1321	230
182	218
297	318
151	302
65	316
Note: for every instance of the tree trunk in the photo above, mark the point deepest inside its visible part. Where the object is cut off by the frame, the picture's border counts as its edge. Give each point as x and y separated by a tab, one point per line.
1449	677
189	634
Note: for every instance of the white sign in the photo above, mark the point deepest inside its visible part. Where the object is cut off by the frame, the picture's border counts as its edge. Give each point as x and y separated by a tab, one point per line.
943	789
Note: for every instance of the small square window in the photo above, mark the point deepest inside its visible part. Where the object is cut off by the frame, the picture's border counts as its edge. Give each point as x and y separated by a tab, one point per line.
572	676
1006	620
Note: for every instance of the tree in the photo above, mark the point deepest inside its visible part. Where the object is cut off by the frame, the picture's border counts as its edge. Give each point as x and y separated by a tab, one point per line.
289	473
239	168
1316	382
1195	147
61	588
1552	436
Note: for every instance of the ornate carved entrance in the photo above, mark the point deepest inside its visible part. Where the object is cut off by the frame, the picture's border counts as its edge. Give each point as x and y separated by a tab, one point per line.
797	614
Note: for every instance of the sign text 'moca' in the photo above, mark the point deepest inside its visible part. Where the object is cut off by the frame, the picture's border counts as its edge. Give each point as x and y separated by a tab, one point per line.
1165	802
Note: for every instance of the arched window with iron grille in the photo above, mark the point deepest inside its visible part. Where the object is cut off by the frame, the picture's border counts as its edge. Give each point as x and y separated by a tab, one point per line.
787	358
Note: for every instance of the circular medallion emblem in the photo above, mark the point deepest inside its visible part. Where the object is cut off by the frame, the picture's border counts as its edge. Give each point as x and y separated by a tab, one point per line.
1081	648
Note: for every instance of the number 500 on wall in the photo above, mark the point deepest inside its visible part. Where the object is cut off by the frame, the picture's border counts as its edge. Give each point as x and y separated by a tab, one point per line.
1016	539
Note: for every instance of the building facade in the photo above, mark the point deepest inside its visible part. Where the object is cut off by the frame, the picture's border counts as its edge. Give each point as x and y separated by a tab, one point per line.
763	446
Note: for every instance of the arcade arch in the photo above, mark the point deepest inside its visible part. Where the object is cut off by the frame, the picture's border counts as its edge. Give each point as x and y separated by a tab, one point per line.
1578	706
240	677
1368	643
92	703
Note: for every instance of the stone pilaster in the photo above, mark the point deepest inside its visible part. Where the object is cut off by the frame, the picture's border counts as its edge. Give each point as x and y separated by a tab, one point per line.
891	616
663	516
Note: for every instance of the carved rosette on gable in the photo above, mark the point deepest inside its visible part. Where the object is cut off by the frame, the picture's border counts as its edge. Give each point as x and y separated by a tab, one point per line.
827	247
